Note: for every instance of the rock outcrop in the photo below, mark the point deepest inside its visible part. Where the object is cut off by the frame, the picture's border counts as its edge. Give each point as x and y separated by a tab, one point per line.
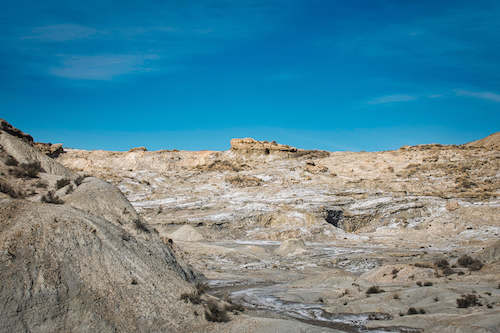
250	146
49	149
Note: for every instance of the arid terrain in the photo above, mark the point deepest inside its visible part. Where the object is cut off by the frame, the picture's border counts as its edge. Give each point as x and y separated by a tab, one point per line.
263	237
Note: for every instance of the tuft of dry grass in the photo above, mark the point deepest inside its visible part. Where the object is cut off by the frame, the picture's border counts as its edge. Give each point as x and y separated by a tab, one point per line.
468	300
374	290
214	313
470	263
51	198
9	190
62	182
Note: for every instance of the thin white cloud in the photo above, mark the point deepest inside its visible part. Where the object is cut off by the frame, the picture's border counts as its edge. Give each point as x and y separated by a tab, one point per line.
480	94
392	99
61	32
101	67
435	96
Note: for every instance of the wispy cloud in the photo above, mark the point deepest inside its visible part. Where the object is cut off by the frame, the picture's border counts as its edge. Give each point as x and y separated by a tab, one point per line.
480	94
392	99
61	32
102	67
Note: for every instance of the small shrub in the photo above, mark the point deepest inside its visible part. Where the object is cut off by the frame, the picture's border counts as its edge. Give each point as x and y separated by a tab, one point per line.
428	284
395	296
476	265
62	182
465	260
41	184
470	263
374	290
448	271
215	314
193	298
139	224
70	189
421	311
467	300
412	311
79	180
51	198
9	190
436	299
419	283
32	169
442	263
201	287
11	161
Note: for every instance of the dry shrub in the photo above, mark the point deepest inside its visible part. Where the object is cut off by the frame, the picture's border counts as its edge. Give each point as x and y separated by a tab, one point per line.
214	313
442	263
139	224
11	161
9	190
51	198
468	300
27	170
374	290
470	263
62	182
32	169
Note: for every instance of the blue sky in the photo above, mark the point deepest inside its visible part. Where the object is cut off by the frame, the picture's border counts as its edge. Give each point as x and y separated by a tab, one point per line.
334	75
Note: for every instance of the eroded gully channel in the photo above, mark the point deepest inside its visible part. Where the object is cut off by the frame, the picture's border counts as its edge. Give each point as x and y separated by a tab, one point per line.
262	299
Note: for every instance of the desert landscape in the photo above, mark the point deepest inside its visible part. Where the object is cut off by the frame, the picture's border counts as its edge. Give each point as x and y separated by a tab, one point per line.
263	237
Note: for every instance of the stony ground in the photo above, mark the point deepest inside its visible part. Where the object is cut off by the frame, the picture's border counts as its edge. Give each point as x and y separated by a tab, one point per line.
302	236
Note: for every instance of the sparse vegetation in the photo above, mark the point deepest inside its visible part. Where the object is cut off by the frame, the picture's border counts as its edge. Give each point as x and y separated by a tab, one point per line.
193	298
214	313
62	182
11	161
51	198
70	189
448	271
374	290
41	184
442	263
470	263
31	170
139	224
412	311
468	300
9	190
79	180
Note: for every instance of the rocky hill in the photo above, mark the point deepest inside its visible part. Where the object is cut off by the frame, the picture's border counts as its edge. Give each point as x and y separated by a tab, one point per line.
75	255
